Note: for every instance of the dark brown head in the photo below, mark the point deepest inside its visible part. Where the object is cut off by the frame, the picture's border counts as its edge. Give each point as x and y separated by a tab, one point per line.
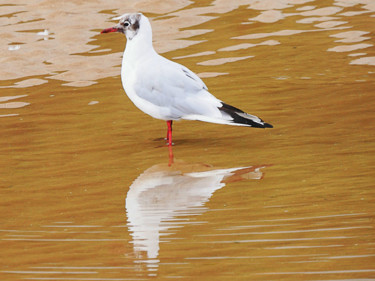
129	25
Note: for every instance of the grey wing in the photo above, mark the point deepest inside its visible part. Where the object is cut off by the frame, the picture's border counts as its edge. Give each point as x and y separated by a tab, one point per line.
178	75
167	82
194	77
174	86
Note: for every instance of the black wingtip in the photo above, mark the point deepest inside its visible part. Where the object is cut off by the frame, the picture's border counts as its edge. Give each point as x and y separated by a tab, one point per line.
266	125
239	117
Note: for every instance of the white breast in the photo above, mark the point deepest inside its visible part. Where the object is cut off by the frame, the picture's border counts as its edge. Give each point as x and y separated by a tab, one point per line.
132	76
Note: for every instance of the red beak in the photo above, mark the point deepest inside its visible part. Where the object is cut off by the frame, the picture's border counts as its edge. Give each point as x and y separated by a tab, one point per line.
108	30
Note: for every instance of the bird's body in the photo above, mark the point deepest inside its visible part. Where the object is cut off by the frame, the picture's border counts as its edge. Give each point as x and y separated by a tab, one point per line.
167	90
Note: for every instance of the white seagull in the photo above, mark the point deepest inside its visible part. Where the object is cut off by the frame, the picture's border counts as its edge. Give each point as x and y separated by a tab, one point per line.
167	90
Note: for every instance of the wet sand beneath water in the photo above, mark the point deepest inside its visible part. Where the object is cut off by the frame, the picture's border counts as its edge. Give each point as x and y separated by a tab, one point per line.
86	189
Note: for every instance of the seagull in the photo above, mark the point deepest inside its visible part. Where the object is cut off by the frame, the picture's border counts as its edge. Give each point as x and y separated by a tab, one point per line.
165	89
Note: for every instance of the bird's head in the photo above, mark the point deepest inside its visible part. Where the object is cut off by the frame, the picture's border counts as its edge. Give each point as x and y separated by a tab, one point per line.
129	24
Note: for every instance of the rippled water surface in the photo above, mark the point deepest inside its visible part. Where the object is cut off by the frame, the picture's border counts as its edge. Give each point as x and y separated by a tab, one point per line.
88	191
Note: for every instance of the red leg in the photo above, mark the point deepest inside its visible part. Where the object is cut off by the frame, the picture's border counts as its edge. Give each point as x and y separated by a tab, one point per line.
169	133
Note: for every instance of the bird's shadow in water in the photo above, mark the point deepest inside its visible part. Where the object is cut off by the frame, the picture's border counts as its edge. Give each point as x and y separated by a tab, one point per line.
160	199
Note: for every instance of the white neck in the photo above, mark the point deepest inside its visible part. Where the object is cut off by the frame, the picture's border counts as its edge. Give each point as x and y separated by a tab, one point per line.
141	44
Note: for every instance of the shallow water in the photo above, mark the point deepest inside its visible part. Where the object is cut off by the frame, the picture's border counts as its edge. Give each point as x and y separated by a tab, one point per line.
86	189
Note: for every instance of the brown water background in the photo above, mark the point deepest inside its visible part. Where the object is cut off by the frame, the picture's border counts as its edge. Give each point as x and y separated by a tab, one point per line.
86	190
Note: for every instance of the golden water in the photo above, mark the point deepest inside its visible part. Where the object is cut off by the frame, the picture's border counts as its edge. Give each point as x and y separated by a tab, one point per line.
86	190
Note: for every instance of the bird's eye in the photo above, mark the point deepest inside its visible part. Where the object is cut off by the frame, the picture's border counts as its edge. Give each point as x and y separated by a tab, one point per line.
126	23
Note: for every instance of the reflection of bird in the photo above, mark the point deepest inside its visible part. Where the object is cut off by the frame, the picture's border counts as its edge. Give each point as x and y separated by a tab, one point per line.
162	194
167	90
